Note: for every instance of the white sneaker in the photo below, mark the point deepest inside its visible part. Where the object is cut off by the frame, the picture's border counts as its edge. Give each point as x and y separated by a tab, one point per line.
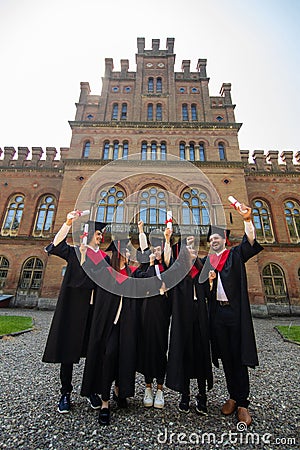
148	397
159	401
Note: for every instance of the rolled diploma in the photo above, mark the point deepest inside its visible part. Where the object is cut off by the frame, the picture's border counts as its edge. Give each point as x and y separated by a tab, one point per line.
169	220
85	233
85	212
235	203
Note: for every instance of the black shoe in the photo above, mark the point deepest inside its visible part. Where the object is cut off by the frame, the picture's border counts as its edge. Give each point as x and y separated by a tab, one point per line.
95	401
184	404
104	416
201	407
64	404
121	402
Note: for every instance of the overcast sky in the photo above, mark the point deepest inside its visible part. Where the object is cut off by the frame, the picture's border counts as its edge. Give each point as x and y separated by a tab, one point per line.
47	47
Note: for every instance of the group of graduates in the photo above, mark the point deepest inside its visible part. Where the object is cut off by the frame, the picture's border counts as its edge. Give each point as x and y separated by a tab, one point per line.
167	317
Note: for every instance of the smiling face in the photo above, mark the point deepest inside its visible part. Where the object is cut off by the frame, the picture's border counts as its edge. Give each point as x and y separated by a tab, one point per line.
157	252
217	243
96	239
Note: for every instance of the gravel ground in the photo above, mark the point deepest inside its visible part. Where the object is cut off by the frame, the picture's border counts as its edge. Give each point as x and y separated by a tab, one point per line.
30	392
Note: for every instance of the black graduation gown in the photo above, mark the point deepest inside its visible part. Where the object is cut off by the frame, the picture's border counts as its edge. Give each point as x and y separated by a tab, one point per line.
234	280
154	321
106	307
186	358
68	335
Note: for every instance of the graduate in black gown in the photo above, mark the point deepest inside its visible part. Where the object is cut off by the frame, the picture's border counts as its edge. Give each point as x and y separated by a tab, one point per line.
189	349
154	319
232	333
112	350
69	331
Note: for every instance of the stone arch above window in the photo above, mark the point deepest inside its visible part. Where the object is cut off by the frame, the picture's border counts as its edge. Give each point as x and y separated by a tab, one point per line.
44	216
292	218
13	215
262	221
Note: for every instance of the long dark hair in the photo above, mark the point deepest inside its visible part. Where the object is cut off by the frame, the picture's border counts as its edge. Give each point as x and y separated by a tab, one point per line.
115	263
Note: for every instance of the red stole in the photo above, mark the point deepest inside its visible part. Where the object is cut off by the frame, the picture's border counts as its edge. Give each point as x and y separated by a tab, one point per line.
122	275
218	261
194	271
96	257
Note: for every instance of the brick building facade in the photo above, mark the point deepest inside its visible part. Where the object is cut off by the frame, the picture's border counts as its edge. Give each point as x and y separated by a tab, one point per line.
153	140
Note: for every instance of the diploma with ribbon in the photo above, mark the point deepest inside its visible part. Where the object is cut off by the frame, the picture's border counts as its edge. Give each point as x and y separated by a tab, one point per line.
169	220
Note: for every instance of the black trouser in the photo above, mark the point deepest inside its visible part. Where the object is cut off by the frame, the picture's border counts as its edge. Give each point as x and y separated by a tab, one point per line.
66	371
159	380
228	334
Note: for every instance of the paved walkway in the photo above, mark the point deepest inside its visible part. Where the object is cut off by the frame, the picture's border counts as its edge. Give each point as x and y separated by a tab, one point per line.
30	391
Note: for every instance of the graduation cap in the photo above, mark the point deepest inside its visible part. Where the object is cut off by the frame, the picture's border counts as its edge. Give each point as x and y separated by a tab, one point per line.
118	246
156	238
214	229
96	226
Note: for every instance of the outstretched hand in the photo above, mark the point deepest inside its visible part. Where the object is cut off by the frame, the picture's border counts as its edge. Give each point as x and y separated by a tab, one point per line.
245	211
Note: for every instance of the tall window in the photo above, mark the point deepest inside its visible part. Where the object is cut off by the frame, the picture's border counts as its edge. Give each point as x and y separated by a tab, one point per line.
44	216
153	151
292	217
86	149
116	150
150	85
115	111
182	151
262	221
163	151
111	205
192	151
185	113
201	152
106	150
158	112
195	207
194	112
153	206
124	111
144	151
125	150
4	266
274	284
32	274
13	216
150	112
158	85
222	155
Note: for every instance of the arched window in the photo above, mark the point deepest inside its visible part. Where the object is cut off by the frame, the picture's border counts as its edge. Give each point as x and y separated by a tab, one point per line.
31	275
44	216
13	216
116	150
150	112
86	149
153	206
194	112
106	150
292	217
153	151
192	151
182	151
158	112
195	207
125	150
144	151
4	266
274	284
185	113
158	85
124	111
201	152
150	84
115	111
262	221
163	151
111	205
222	155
